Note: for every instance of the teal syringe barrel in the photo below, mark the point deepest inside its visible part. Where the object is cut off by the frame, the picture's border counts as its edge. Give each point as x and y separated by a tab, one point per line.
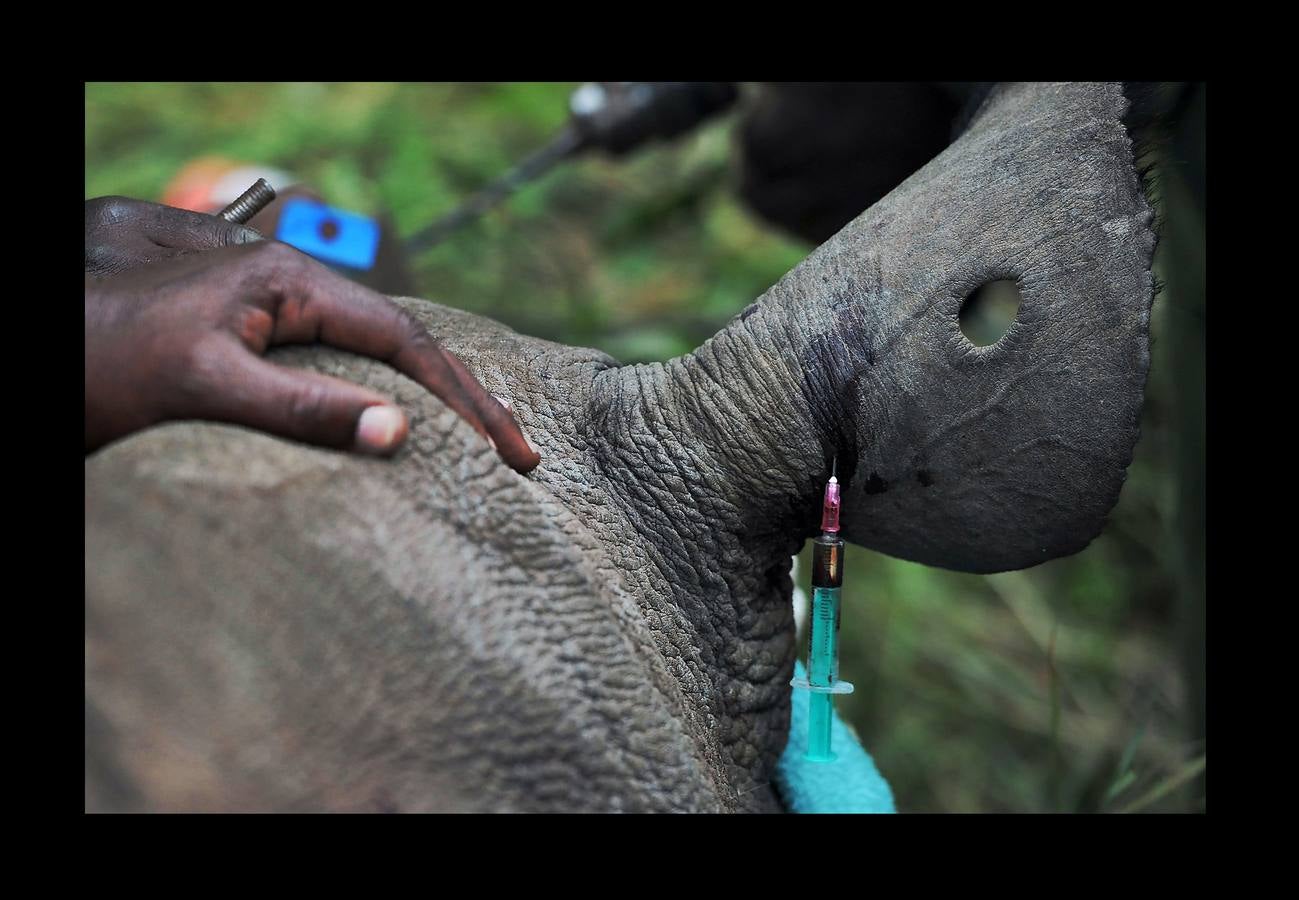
823	642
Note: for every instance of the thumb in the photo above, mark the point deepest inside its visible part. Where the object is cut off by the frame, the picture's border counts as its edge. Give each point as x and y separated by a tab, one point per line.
300	405
186	230
214	232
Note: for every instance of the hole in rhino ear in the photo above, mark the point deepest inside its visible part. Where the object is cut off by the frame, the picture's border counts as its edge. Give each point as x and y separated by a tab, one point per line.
989	311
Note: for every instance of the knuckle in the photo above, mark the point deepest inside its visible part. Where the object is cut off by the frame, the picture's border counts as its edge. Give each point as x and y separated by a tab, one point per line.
279	264
308	404
253	326
410	327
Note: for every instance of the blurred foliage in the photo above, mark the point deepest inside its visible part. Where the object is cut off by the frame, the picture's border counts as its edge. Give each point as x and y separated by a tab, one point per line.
1052	689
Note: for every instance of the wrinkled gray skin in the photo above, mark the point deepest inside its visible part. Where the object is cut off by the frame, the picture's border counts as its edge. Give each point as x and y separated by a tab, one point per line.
271	626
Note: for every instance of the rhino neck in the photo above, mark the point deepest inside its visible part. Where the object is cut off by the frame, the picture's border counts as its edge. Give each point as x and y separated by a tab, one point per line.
718	459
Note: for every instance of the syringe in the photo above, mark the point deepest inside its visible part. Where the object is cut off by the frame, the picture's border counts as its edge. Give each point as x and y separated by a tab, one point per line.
823	632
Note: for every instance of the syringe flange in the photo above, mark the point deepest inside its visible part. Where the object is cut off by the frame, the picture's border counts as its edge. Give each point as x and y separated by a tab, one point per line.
839	687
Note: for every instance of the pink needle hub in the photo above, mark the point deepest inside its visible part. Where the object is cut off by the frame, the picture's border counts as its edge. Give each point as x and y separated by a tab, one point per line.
830	511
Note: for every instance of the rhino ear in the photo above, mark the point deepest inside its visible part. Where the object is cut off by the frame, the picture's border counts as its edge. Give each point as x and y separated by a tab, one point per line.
998	457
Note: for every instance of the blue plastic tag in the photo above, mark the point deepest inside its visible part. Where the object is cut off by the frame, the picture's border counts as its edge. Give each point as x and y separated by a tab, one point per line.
330	235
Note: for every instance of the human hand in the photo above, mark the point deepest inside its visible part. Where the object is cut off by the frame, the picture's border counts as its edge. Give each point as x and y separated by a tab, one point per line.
122	234
183	339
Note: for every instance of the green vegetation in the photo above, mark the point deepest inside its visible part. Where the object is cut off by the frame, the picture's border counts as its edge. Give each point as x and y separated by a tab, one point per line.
1056	688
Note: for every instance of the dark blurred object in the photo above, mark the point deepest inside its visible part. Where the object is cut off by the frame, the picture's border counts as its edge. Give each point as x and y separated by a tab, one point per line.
613	116
620	116
815	155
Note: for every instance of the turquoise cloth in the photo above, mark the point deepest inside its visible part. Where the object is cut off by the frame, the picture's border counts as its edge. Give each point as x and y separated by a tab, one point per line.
850	784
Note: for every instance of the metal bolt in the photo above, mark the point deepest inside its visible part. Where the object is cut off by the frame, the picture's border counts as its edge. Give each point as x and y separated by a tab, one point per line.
249	203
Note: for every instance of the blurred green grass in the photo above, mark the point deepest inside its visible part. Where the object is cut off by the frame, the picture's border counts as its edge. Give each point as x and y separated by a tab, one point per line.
1052	689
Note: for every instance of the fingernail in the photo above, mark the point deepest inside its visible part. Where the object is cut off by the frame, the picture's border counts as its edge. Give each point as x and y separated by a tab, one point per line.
379	428
504	402
246	235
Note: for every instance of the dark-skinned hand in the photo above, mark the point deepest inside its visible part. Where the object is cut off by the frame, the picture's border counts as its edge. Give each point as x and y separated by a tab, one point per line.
179	333
122	234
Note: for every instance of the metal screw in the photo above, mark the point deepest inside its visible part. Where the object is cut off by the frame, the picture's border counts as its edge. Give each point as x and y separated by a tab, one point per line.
249	203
